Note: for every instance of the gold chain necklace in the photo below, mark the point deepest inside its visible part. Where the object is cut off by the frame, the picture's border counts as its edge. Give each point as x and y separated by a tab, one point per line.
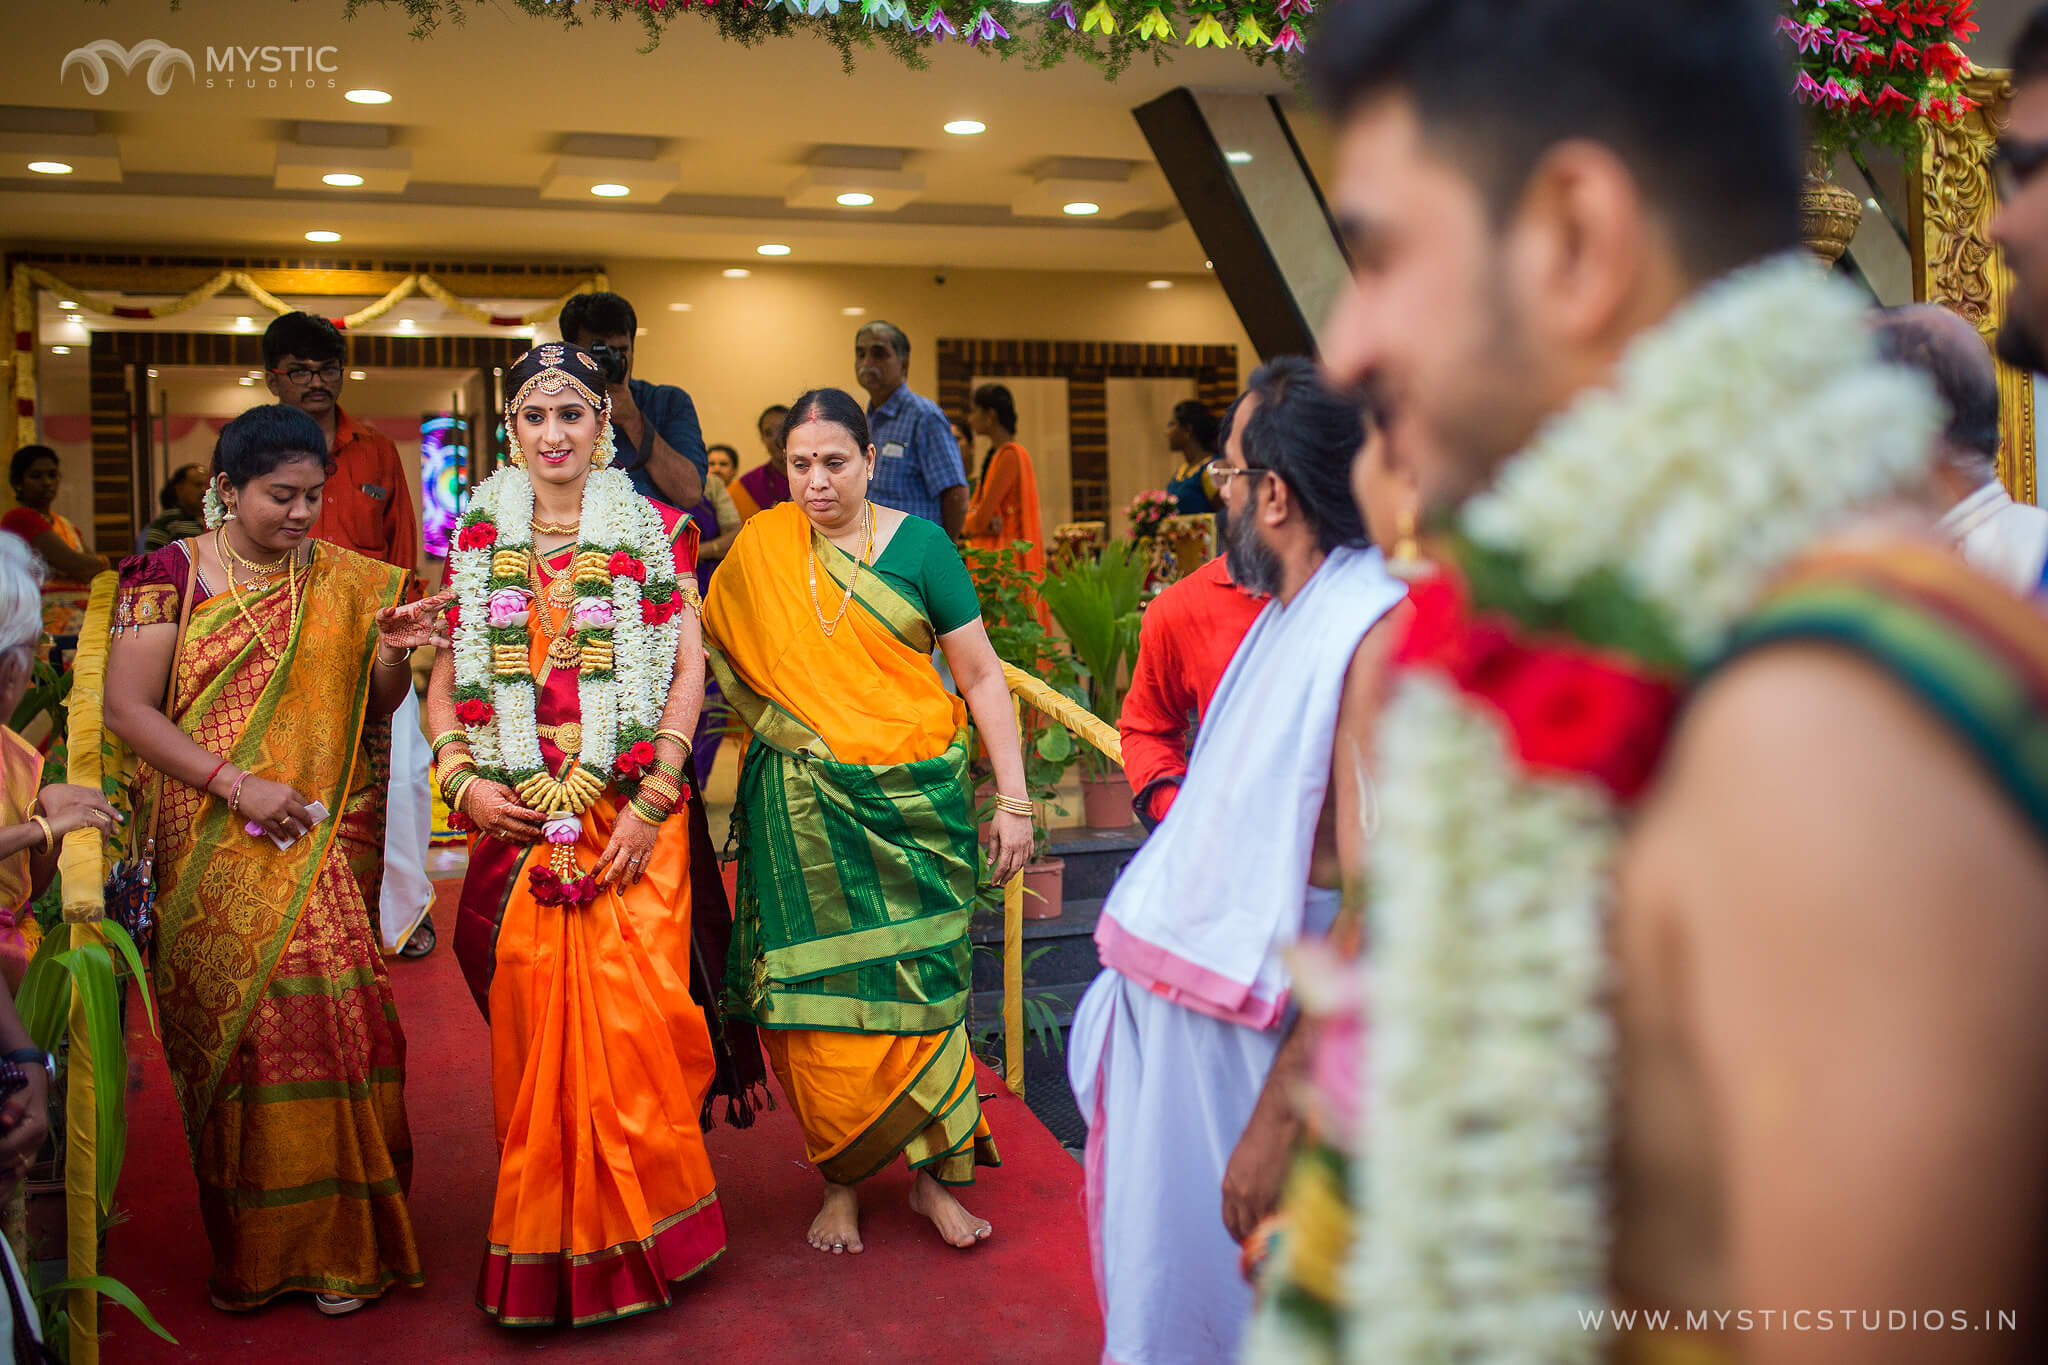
549	528
291	564
560	594
811	553
230	558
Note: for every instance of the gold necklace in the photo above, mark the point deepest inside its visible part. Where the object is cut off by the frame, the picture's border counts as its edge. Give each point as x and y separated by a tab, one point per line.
811	553
229	557
549	528
560	594
242	608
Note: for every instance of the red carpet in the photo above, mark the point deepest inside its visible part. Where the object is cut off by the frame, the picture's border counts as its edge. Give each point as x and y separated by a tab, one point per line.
1025	1295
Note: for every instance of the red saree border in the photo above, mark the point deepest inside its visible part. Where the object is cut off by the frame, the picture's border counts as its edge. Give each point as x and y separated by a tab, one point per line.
527	1289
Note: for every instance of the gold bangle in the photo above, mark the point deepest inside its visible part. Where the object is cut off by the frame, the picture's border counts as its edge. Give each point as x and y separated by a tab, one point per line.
448	737
1012	805
677	735
49	835
400	662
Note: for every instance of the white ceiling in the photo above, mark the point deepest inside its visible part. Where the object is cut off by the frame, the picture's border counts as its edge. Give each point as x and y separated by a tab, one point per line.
482	112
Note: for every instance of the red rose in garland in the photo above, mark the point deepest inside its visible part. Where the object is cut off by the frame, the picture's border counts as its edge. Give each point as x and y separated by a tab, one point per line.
474	711
634	760
477	536
624	565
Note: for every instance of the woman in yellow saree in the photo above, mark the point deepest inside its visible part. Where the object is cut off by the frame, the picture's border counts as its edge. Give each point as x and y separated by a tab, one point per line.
561	717
255	671
857	845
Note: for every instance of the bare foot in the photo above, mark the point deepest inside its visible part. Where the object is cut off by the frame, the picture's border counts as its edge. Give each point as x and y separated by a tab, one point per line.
837	1227
959	1227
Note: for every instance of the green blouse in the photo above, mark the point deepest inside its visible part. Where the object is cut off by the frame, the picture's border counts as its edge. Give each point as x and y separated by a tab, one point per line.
921	563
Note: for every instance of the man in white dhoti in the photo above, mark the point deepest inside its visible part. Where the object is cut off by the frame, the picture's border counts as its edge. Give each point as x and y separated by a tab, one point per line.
1182	1048
2000	538
408	834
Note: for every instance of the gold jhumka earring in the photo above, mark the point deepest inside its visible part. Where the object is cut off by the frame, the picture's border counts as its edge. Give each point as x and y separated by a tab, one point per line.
607	449
1406	562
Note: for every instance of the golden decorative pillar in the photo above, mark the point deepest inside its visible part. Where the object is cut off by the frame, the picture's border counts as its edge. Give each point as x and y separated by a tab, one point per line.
1954	262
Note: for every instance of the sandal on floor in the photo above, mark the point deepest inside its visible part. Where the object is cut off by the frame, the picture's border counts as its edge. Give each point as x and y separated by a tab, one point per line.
421	943
226	1307
336	1305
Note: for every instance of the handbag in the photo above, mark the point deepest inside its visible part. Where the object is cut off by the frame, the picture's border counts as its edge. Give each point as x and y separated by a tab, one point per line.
131	889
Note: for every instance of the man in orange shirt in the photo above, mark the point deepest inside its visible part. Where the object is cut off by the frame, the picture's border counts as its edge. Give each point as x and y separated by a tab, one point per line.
367	506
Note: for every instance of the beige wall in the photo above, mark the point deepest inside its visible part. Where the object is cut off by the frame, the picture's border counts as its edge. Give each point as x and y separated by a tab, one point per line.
748	343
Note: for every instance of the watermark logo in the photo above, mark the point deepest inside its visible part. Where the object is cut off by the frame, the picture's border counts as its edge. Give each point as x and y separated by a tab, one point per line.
265	67
164	61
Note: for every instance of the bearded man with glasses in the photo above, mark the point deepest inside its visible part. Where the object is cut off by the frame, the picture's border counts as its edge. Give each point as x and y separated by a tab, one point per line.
367	506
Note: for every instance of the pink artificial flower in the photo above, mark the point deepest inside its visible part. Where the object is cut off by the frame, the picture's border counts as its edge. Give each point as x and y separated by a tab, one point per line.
509	607
1288	41
1065	10
1289	9
939	23
594	614
985	29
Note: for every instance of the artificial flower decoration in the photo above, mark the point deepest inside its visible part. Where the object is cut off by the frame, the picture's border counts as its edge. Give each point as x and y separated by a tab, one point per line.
985	29
1289	40
936	23
1100	19
1250	33
1875	72
1154	26
1063	12
1207	32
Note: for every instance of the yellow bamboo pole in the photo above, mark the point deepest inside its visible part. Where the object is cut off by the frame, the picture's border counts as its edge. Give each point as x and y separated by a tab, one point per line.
1013	973
82	870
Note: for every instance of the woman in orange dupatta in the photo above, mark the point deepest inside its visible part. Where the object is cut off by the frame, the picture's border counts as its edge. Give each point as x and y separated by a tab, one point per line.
255	672
1005	507
561	716
857	859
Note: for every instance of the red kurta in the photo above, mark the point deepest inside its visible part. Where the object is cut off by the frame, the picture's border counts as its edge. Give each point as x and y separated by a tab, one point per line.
1190	633
367	505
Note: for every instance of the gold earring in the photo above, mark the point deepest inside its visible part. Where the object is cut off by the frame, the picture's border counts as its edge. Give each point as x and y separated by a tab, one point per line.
1406	562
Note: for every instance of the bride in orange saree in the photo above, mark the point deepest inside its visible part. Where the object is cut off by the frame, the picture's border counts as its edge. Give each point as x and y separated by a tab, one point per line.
255	672
561	716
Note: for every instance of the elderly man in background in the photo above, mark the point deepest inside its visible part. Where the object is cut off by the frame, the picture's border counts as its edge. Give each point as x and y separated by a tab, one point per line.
2000	538
917	466
367	506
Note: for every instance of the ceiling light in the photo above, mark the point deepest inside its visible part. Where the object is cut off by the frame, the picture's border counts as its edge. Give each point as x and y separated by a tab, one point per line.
152	374
609	190
323	235
347	180
966	127
74	317
1238	158
735	273
245	323
1159	284
67	304
679	308
50	167
853	312
60	350
246	382
771	249
1081	208
357	374
367	97
1208	265
406	324
856	199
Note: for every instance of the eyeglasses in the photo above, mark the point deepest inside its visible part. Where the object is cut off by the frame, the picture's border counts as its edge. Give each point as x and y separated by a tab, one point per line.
305	374
2014	164
1224	473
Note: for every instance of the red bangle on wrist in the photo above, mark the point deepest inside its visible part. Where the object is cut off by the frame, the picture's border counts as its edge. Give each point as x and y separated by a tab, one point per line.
207	785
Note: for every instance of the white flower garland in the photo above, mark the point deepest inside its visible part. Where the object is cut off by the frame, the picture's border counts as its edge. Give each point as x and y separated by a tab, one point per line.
621	702
1735	436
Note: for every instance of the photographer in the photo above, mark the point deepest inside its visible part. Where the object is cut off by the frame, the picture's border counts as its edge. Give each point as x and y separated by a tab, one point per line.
661	447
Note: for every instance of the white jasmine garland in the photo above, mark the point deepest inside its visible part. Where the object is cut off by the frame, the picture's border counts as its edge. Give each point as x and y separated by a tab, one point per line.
626	700
1735	436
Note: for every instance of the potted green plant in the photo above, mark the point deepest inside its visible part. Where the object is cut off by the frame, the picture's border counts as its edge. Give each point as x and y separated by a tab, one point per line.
1097	604
1009	597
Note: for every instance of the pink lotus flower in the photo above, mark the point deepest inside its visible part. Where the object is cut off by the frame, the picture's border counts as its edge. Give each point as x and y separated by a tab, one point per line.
563	830
509	607
594	614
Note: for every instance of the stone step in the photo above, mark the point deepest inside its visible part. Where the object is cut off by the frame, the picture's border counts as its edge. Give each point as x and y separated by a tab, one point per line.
1093	858
1069	942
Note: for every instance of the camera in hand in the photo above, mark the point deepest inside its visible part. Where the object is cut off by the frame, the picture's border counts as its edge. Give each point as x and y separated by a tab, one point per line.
612	361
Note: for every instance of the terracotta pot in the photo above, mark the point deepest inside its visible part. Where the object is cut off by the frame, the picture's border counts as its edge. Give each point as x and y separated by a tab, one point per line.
1828	218
1106	802
1044	888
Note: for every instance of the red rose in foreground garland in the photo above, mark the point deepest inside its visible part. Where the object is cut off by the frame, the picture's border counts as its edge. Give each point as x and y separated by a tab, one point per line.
634	758
551	890
460	823
479	535
624	565
1567	709
454	615
474	711
653	613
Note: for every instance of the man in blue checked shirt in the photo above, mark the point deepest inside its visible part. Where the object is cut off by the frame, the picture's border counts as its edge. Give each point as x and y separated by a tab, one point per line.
917	461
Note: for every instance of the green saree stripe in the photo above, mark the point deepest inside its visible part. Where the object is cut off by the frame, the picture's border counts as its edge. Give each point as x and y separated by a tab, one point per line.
306	1194
905	1118
884	943
881	601
288	1091
852	1014
333	987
